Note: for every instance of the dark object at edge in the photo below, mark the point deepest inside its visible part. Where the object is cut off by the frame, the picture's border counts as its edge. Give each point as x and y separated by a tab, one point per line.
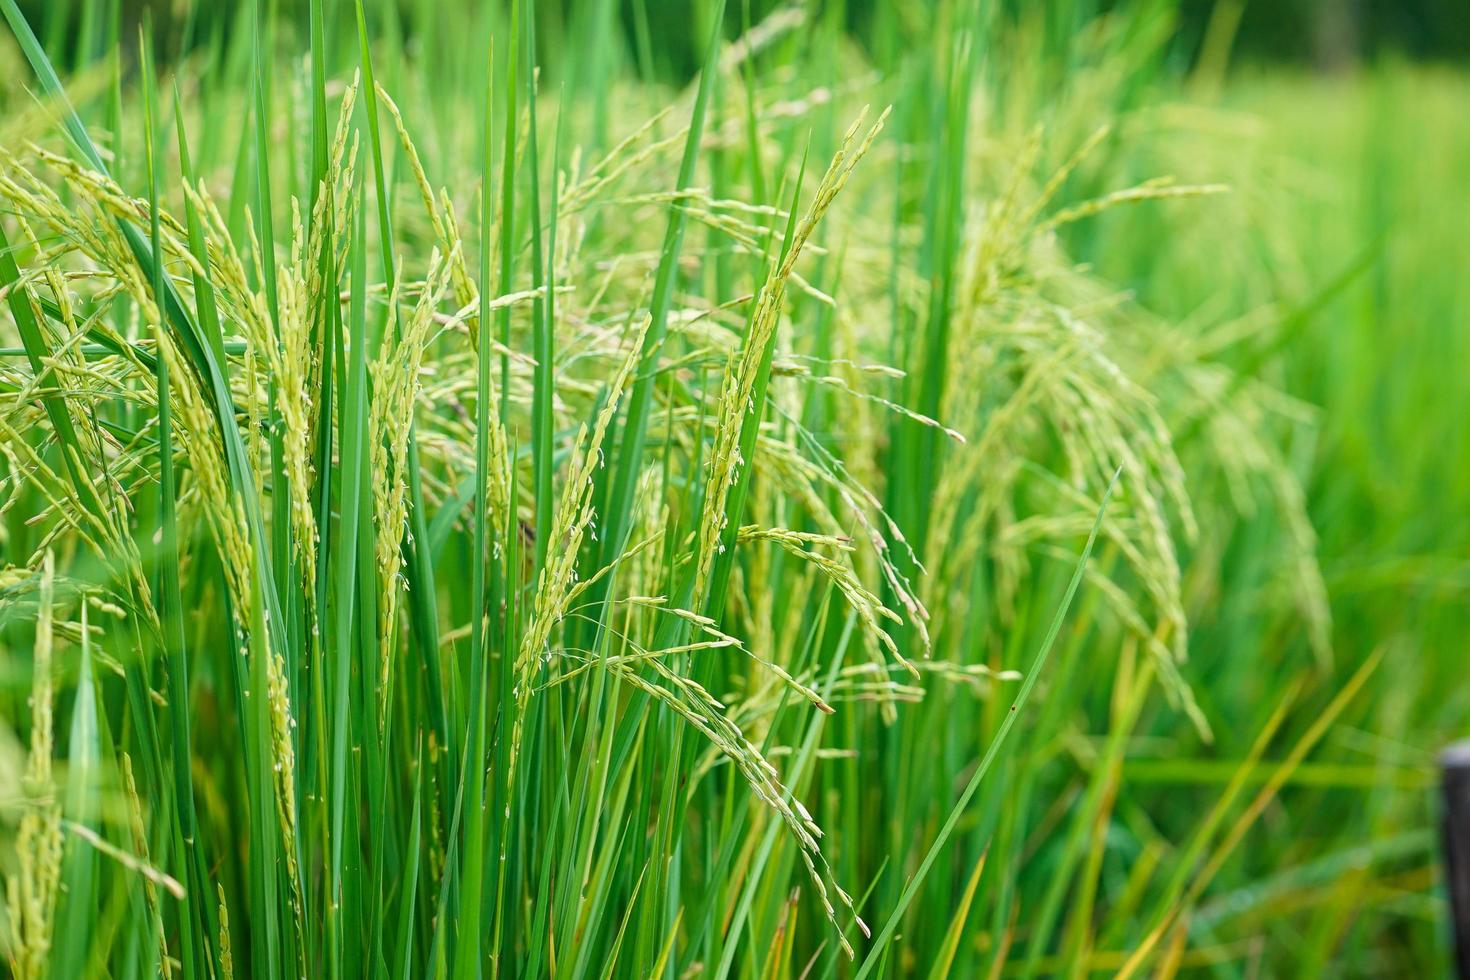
1455	761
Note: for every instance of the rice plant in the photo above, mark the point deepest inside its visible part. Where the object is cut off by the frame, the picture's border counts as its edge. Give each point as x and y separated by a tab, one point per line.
472	505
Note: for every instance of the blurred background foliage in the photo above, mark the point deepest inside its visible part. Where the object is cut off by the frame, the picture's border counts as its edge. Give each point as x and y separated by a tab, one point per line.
1327	34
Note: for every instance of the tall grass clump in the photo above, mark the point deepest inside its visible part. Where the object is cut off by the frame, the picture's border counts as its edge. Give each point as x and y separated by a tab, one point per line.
473	507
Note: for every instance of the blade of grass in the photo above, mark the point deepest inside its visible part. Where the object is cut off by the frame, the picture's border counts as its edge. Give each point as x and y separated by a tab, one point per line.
879	947
170	600
629	462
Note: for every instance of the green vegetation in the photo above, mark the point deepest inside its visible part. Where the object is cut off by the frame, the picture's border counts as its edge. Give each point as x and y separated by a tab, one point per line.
962	490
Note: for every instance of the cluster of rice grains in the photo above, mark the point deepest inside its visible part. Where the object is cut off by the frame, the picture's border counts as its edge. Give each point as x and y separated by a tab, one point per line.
473	565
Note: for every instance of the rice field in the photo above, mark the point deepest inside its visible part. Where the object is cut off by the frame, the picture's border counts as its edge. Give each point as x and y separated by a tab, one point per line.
622	490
